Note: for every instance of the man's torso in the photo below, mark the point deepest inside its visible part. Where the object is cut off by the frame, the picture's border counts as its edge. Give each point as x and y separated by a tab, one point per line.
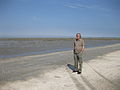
78	45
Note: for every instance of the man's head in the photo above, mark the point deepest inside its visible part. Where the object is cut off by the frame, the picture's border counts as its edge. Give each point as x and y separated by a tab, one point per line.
78	36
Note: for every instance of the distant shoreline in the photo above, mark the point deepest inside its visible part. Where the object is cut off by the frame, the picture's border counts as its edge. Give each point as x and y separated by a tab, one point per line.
92	38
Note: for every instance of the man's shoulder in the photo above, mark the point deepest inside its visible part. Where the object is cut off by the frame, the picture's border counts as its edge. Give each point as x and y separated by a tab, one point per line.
82	40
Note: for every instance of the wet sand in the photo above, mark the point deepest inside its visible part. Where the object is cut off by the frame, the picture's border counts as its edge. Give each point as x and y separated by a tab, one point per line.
32	46
101	71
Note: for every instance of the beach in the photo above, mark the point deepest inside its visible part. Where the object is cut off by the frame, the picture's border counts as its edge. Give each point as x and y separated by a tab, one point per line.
101	71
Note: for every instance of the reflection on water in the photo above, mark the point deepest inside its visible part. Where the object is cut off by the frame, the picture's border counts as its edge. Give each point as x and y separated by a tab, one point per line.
12	48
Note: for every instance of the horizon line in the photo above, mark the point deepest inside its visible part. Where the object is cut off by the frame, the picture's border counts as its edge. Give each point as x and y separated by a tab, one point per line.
59	37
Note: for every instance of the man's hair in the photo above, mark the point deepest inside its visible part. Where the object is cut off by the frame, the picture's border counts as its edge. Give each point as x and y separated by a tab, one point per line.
79	34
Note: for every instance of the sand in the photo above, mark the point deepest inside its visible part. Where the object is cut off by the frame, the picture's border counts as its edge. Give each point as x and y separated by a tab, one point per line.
42	72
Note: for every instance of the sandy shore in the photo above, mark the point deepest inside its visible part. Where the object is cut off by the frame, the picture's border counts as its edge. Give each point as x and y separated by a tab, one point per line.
101	71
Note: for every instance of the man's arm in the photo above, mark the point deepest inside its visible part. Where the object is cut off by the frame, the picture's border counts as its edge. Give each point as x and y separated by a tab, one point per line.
74	47
83	47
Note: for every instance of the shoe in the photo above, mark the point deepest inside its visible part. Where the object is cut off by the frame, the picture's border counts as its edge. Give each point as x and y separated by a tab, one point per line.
74	71
78	72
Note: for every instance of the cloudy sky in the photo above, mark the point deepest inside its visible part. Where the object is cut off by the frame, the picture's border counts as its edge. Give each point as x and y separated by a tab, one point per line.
59	18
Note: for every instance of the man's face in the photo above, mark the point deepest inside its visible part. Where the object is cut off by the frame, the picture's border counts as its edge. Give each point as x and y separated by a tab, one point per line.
77	36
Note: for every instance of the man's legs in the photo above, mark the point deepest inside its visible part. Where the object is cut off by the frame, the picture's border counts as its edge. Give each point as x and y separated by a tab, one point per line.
80	62
75	61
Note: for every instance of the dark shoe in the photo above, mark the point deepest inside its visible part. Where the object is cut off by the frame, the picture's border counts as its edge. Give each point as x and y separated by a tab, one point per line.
74	71
78	72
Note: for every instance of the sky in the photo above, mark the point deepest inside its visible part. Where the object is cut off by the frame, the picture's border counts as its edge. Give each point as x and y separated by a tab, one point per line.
59	18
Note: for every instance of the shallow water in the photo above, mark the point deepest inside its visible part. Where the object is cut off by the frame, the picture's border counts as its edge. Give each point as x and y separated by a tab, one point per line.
13	48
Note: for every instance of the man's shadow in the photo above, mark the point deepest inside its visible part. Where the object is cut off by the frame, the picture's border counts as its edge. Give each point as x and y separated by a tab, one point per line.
71	67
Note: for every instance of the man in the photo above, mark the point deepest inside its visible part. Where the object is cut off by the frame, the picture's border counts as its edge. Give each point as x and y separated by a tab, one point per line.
78	51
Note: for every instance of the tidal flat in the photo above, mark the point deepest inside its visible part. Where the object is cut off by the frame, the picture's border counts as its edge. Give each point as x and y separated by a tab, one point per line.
12	47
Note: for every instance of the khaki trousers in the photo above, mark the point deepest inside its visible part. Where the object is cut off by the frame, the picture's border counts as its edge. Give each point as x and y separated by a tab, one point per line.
78	61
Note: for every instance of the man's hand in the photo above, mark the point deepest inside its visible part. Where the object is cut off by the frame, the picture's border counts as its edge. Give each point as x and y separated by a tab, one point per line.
83	49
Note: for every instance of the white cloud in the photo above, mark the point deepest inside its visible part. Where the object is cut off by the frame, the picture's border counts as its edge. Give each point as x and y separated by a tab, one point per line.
70	6
95	7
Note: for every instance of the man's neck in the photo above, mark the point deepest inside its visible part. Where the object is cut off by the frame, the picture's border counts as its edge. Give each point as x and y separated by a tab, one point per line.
78	39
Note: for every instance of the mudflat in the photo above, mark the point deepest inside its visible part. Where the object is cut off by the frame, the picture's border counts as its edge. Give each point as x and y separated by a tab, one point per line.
13	47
